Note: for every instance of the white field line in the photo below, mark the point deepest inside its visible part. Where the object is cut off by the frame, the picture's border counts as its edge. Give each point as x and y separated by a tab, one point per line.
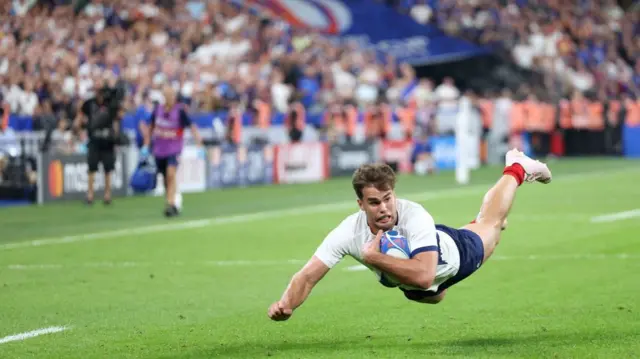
618	216
243	218
225	263
31	334
262	263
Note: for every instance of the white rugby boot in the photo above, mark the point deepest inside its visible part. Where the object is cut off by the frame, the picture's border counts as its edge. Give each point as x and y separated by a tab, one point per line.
534	169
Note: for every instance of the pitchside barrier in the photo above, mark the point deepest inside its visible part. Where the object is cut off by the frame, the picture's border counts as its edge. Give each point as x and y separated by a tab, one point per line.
64	176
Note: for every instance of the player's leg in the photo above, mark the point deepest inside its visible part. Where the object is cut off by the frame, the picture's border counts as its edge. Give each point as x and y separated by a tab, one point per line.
477	241
108	165
93	160
171	186
499	199
161	168
495	208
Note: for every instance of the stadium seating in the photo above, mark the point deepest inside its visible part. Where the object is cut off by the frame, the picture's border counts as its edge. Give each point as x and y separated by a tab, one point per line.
214	55
221	54
589	45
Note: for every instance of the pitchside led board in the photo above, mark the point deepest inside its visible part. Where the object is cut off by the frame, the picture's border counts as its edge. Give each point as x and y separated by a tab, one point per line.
345	158
302	162
444	152
233	166
397	152
631	144
64	177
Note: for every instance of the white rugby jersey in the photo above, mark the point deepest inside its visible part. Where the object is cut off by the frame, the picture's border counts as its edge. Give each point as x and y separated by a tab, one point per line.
414	223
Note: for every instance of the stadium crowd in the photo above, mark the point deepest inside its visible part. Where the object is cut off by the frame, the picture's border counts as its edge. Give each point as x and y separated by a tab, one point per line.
590	45
223	55
214	53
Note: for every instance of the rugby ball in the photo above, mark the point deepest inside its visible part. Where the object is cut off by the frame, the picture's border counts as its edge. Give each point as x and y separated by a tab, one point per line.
396	245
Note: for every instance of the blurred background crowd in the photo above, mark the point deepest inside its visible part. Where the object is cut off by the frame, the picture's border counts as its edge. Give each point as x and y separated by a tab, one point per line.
582	59
53	53
583	45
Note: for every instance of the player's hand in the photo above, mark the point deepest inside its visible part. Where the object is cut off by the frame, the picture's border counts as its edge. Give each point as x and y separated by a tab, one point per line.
372	247
144	152
278	312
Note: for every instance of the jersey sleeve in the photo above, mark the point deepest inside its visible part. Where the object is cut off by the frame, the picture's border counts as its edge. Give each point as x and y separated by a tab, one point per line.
421	230
185	121
334	247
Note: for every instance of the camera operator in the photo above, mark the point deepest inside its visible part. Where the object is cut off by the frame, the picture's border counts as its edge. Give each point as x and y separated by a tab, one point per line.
101	115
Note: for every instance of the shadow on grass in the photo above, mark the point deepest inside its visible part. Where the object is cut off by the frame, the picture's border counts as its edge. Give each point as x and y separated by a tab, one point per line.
422	345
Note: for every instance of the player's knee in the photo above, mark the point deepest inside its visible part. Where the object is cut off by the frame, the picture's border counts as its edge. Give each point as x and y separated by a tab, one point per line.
423	297
170	172
434	300
493	223
92	167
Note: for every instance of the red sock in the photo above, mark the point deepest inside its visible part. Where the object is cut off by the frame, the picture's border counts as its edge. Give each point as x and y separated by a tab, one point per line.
516	171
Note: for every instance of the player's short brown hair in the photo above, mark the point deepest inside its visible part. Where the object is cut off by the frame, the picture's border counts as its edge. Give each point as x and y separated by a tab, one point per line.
378	175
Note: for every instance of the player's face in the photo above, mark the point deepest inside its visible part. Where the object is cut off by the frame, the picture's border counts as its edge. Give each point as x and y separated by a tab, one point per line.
380	207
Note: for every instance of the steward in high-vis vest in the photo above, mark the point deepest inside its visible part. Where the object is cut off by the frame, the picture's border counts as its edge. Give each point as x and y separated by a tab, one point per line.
166	139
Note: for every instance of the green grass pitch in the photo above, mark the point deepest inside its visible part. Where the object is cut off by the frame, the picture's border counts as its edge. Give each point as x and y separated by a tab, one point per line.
560	285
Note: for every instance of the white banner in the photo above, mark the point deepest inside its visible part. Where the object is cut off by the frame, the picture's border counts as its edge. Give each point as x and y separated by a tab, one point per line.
192	174
301	162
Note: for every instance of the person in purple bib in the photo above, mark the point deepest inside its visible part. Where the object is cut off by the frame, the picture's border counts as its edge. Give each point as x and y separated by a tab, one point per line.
165	137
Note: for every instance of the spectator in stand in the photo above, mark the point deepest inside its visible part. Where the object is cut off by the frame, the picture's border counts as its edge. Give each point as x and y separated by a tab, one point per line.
211	52
218	55
584	44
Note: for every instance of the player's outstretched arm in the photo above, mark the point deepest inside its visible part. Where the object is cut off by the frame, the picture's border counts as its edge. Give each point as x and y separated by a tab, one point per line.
418	272
298	289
